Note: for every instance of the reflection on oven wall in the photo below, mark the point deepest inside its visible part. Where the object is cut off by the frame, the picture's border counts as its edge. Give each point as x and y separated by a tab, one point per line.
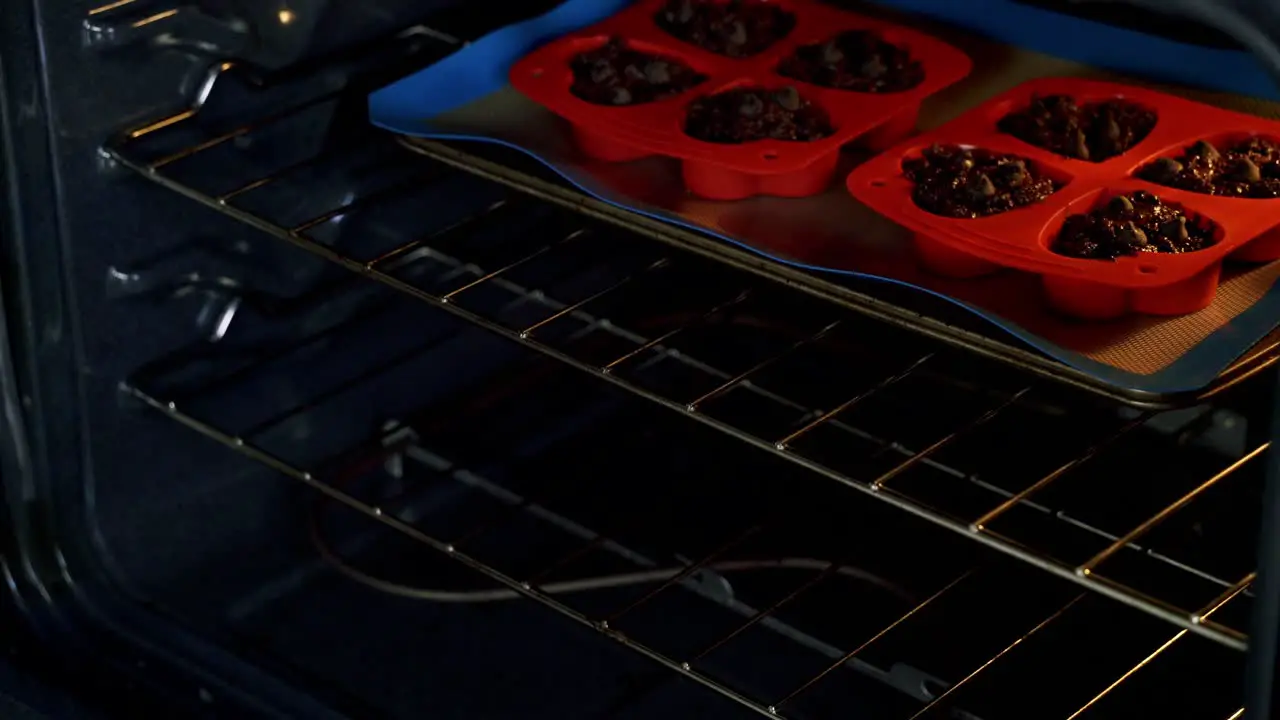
270	35
181	49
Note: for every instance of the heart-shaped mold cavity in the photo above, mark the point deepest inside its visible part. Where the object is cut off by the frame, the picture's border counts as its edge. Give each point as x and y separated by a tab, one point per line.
965	182
1090	129
619	72
1236	165
739	29
1134	226
747	112
855	61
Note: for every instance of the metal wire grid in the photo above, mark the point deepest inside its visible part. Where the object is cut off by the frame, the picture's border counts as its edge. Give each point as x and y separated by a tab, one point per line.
387	261
399	444
938	695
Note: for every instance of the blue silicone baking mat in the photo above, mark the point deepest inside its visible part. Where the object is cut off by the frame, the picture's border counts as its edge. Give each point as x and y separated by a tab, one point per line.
465	97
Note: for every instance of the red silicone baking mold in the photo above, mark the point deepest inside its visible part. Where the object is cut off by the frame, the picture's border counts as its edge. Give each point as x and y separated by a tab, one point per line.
1152	283
729	172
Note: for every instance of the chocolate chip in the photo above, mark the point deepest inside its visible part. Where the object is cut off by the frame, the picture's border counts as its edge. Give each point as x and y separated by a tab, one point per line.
751	106
1203	149
1176	228
1010	176
1014	173
621	96
788	98
1112	129
1247	171
831	53
1080	146
658	72
874	68
981	187
686	12
1131	234
1165	168
601	71
1120	203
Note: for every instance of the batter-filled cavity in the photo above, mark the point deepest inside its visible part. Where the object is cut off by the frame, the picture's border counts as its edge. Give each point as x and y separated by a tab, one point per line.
747	114
738	28
1093	131
617	75
1131	224
858	61
960	182
1248	168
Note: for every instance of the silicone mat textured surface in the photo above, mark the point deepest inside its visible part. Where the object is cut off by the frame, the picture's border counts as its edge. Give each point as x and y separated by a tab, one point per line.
466	97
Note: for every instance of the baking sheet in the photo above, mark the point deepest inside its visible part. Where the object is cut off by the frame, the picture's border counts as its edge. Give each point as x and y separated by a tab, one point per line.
465	97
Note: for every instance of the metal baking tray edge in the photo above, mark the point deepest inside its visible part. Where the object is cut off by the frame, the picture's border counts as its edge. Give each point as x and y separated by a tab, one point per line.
1258	358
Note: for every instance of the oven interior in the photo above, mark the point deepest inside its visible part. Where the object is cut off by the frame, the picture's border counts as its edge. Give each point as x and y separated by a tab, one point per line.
414	443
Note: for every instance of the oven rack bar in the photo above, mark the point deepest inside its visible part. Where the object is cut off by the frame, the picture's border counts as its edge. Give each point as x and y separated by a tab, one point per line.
399	443
386	267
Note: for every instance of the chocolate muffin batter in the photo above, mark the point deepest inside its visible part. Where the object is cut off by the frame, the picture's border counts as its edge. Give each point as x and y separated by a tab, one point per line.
1128	225
1248	168
967	182
746	114
858	61
1093	132
617	75
737	28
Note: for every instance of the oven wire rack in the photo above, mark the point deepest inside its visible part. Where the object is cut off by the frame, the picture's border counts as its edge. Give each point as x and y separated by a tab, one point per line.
399	444
388	265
